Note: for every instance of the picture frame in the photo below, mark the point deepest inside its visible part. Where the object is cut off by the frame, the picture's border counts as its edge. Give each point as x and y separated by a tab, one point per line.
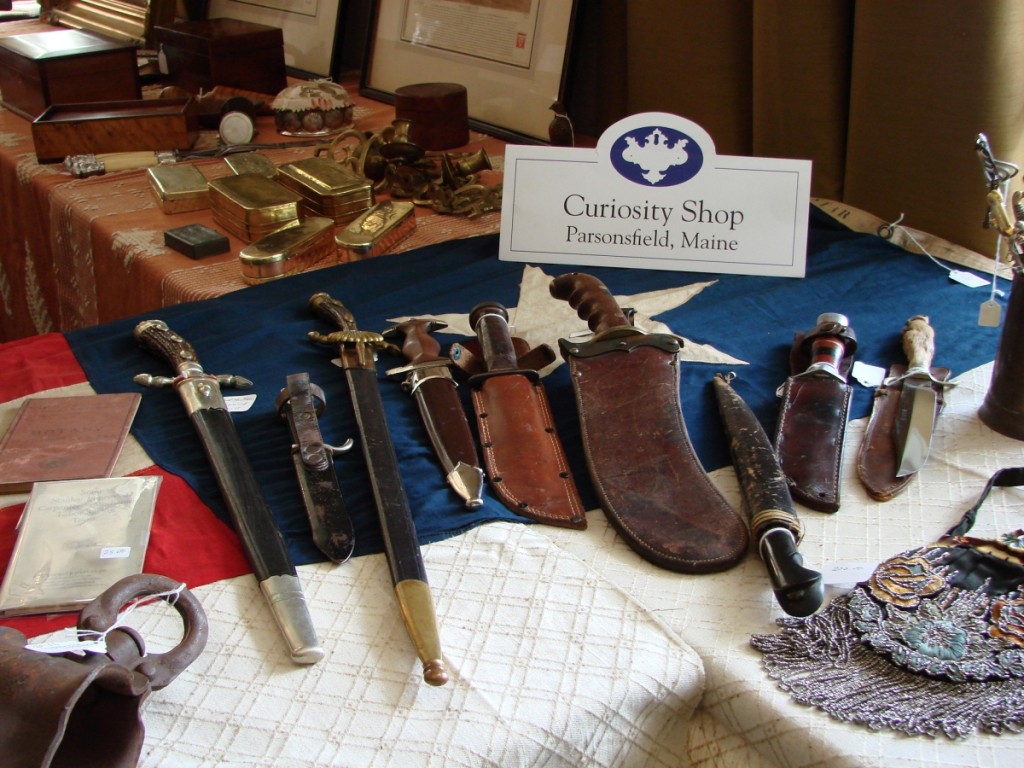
512	56
309	28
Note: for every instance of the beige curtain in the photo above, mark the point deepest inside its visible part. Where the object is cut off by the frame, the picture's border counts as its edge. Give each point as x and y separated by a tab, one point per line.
885	96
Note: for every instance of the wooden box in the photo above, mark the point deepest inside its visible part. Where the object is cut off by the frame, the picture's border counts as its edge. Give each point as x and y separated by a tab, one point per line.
229	52
114	126
40	69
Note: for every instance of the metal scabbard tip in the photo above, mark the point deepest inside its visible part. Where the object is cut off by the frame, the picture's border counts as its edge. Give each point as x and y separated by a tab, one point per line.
434	672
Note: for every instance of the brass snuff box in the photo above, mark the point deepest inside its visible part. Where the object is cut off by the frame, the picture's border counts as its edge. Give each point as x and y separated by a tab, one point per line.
328	188
179	188
251	206
292	249
251	162
377	231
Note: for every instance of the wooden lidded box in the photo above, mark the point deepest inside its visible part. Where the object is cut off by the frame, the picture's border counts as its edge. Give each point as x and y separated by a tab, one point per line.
229	52
65	66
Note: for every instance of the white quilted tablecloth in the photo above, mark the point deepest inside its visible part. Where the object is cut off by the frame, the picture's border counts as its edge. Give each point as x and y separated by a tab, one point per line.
744	719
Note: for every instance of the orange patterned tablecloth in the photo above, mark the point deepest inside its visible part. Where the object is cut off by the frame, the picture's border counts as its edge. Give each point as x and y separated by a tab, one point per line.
76	252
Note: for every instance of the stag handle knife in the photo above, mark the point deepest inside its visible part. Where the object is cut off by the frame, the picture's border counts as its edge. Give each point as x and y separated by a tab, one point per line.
429	380
915	417
250	514
592	301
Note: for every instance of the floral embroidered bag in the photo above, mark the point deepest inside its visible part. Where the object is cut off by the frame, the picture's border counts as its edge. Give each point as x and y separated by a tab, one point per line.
932	643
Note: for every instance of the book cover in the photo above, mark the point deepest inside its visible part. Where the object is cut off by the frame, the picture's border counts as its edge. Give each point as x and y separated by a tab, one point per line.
65	438
75	539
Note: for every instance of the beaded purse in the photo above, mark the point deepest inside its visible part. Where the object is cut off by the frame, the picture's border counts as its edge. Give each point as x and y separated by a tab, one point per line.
932	642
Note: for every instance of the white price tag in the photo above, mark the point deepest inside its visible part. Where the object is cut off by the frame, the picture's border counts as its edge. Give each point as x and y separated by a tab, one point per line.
115	553
835	574
239	403
969	279
868	375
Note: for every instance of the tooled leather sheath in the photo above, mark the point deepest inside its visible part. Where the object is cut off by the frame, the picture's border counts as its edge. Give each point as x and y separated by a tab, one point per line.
876	460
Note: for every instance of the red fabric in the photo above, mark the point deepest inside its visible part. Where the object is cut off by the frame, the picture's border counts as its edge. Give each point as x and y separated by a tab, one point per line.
187	542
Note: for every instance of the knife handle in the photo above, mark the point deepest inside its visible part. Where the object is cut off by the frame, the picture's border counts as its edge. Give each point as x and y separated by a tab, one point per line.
418	345
919	343
327	307
590	298
490	321
159	339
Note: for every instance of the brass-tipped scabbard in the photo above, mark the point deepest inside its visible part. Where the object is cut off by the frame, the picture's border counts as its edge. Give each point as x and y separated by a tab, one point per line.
417	607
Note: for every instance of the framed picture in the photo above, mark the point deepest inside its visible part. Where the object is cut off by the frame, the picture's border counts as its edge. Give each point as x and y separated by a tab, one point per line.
511	56
121	19
308	27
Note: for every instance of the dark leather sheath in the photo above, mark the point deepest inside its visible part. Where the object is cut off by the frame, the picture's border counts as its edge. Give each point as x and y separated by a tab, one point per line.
811	429
876	460
648	478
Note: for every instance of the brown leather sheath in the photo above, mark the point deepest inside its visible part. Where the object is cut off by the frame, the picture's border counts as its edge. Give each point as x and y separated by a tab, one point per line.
811	430
876	460
648	478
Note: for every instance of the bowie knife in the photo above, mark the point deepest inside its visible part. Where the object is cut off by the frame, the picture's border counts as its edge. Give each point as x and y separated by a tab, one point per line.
525	459
428	378
915	417
300	403
811	429
774	524
650	482
401	546
251	516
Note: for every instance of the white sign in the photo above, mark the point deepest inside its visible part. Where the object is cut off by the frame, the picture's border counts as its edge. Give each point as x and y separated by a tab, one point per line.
654	194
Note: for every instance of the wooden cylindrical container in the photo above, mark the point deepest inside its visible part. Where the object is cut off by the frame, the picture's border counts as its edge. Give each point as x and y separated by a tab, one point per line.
438	113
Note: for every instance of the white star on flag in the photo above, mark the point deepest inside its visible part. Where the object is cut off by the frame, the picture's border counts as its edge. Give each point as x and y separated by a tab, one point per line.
541	319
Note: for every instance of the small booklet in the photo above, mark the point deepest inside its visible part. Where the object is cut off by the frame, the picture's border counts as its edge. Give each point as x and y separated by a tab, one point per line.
75	539
65	438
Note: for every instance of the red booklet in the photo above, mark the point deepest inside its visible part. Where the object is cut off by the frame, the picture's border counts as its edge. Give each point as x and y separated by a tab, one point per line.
65	438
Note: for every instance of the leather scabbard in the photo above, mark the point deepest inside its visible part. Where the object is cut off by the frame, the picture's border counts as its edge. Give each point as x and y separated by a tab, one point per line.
811	429
648	478
876	460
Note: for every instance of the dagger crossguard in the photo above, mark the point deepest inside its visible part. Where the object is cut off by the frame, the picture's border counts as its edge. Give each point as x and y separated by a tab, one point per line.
340	338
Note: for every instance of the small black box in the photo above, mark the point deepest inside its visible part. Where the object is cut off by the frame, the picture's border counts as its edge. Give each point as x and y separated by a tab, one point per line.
196	241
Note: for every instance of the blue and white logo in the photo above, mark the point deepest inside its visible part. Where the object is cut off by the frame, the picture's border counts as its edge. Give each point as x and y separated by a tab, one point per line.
657	156
656	149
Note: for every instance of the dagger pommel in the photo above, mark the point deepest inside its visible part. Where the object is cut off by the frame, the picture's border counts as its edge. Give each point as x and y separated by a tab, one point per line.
592	301
418	345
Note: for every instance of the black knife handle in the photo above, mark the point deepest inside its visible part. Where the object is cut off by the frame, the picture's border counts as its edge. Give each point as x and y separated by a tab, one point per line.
327	307
490	321
590	298
166	344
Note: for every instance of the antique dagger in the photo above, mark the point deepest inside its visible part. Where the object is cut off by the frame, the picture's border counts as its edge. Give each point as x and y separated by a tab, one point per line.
401	546
525	460
774	524
915	417
428	378
251	516
811	429
299	403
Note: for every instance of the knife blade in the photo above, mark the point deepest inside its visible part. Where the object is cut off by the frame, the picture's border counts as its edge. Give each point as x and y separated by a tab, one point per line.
915	417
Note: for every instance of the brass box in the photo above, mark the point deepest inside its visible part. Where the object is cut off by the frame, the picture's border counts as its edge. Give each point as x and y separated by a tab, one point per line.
180	187
328	188
293	248
251	206
377	231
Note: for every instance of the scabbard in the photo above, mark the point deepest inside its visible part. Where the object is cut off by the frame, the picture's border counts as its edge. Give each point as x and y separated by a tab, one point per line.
646	473
811	430
877	461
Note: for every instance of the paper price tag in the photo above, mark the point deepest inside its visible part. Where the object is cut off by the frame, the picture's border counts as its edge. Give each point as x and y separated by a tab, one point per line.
239	403
835	574
115	553
969	279
868	375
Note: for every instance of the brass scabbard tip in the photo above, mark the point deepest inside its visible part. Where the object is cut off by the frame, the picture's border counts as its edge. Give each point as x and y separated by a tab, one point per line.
434	672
